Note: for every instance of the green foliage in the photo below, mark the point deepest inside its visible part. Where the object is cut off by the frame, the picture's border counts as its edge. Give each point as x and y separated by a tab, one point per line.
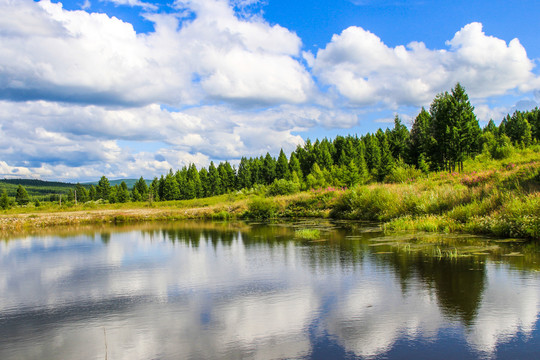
307	234
22	197
403	173
261	208
4	200
103	189
282	187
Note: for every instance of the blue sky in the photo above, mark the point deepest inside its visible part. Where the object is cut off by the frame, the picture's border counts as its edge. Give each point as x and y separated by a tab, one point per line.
127	88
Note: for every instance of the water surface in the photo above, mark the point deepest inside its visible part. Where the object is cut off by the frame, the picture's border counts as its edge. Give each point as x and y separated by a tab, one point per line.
193	290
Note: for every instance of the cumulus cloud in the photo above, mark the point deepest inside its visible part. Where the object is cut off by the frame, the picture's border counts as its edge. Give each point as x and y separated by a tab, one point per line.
52	138
366	71
75	86
81	57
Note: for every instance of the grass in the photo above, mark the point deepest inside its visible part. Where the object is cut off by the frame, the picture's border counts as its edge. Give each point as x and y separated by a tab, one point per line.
308	234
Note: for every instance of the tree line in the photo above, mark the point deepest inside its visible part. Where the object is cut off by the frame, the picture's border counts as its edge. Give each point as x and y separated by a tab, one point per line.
440	138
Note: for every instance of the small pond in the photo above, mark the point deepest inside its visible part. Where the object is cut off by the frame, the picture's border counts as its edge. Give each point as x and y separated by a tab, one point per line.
210	290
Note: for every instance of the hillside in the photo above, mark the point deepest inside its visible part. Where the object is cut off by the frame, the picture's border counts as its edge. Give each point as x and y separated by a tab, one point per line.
35	187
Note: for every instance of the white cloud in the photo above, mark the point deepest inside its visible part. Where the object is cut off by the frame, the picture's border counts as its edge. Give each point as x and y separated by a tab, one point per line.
75	56
142	4
74	141
366	71
74	85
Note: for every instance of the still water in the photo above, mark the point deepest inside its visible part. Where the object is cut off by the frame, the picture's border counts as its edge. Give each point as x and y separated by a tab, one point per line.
194	290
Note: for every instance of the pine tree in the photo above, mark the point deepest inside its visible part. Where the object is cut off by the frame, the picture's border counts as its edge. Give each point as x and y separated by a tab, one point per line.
294	167
399	139
214	181
92	193
103	188
4	200
153	191
203	175
122	194
387	161
282	166
22	197
81	193
142	188
269	169
135	196
244	174
171	190
420	139
518	129
194	179
454	128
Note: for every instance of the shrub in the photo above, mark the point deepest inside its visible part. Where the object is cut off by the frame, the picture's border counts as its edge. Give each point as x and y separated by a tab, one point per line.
282	187
261	208
403	174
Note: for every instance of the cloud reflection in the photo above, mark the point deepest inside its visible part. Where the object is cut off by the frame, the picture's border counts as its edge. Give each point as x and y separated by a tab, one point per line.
201	294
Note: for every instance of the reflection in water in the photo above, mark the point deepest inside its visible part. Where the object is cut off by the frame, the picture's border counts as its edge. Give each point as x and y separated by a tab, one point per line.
222	290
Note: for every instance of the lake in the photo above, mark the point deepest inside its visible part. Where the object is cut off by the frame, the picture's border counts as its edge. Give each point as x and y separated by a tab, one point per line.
203	290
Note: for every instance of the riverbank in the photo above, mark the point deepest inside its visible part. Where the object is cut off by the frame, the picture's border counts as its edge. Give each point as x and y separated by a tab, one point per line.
502	199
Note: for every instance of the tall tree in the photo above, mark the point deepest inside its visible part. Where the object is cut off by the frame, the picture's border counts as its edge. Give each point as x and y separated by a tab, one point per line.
387	161
454	128
399	139
22	197
420	139
244	174
142	188
518	129
269	169
4	200
294	167
214	181
171	191
282	166
103	188
122	193
92	193
81	193
203	176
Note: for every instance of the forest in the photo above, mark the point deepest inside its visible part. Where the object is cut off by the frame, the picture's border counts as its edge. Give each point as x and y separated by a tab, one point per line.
440	139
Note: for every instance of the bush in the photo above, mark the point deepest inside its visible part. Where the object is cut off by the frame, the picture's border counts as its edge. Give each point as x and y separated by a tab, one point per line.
261	208
282	187
402	174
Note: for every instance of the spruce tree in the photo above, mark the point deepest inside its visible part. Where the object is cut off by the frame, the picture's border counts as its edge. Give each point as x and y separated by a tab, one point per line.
122	194
103	188
92	193
4	200
22	197
244	174
399	139
282	166
294	166
214	181
420	139
269	169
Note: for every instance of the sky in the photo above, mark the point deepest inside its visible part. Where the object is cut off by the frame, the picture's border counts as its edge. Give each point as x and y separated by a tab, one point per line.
130	88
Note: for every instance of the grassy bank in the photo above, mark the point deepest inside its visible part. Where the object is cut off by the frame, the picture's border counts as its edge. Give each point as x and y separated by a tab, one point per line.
499	198
502	199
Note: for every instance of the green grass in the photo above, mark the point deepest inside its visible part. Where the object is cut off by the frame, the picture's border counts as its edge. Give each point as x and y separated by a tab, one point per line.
308	234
